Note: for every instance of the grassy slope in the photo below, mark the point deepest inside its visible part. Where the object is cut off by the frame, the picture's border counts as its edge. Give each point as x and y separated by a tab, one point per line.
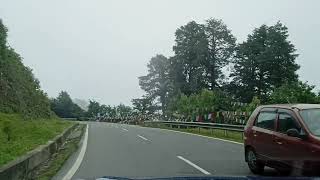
26	135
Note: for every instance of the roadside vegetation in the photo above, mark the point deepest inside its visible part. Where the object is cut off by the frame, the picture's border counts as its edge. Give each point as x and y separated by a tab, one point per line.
26	118
18	136
20	91
210	71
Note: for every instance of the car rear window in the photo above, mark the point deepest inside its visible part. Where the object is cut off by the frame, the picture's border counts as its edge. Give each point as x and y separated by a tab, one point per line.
266	120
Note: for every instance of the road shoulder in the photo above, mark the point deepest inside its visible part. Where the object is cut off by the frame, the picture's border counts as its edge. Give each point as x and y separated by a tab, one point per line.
56	167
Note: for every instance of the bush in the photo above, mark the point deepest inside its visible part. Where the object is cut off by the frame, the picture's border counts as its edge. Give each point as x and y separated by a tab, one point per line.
7	129
205	102
297	92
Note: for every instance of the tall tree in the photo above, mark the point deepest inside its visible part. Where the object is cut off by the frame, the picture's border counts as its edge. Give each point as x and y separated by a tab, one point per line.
124	111
265	61
93	109
3	37
156	83
64	107
221	48
190	53
83	104
144	105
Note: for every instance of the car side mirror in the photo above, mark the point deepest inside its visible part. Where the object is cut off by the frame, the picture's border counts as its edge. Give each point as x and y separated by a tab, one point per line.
295	133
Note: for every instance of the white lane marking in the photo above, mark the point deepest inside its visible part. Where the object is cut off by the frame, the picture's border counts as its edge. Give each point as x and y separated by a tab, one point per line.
234	142
77	164
143	138
124	129
194	165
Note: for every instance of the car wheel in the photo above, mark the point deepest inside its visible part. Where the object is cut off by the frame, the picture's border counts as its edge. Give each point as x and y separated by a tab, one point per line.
256	166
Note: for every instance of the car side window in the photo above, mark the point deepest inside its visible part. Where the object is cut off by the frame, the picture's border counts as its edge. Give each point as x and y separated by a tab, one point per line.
287	122
266	120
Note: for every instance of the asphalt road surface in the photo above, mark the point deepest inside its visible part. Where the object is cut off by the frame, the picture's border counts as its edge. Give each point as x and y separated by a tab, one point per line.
137	152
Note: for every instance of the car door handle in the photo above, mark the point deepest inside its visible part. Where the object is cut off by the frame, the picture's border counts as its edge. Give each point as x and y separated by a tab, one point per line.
279	142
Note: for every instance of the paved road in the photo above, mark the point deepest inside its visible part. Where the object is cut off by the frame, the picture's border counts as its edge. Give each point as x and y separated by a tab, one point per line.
133	151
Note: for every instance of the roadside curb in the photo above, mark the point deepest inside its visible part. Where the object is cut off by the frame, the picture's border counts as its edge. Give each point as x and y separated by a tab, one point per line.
83	142
23	167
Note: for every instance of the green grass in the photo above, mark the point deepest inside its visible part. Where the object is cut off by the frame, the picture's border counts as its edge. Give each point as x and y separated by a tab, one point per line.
58	161
217	133
26	135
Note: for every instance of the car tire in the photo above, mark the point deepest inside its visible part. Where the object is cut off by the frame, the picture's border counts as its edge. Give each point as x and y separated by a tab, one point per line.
256	166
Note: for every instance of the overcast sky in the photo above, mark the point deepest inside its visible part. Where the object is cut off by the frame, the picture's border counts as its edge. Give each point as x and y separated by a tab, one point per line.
96	49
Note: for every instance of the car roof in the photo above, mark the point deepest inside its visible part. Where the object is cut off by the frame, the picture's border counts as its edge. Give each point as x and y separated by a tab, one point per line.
292	106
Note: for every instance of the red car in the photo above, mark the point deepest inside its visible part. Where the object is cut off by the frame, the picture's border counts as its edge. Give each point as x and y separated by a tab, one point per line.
285	137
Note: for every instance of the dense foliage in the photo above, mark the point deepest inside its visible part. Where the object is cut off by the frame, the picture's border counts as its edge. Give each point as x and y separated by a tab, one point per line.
19	90
264	62
144	105
64	107
205	102
295	92
95	109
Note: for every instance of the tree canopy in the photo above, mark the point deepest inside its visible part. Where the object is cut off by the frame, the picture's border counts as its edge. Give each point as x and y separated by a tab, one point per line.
156	83
264	62
144	105
64	107
295	92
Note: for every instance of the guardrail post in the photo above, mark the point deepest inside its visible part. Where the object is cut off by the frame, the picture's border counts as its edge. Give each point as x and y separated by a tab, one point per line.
199	129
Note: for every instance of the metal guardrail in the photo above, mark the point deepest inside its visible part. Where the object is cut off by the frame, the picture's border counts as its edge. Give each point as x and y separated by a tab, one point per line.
199	125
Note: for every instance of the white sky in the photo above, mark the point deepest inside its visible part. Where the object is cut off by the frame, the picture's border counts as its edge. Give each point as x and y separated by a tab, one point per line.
96	49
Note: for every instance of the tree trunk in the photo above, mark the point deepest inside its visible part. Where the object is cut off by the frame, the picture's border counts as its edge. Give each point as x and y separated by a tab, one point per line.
213	80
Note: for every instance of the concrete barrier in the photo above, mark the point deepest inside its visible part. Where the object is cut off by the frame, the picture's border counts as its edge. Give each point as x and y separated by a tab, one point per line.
23	167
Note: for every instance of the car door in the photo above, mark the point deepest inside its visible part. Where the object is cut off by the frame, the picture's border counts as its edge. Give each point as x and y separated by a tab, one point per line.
290	150
263	129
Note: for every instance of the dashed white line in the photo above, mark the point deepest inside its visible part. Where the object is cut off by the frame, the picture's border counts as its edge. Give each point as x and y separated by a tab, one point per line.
194	165
124	129
143	138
